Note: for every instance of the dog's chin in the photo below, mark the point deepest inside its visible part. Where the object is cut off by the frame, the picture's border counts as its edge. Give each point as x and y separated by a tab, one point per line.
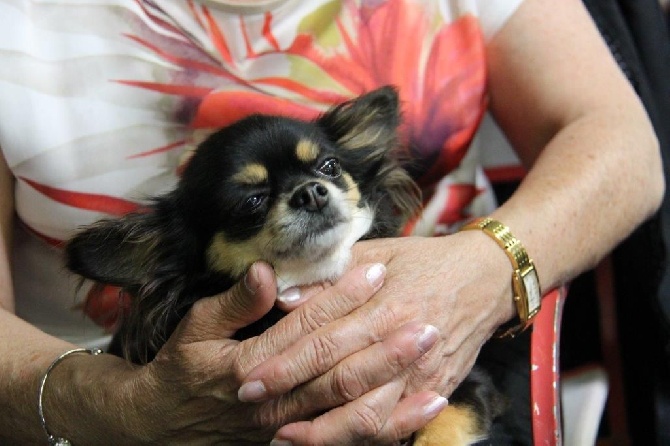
321	256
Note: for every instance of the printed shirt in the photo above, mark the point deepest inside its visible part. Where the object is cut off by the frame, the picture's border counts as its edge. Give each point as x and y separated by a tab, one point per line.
100	99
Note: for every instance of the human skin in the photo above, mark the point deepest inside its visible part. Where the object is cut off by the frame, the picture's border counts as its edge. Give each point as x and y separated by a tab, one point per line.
368	350
187	394
594	175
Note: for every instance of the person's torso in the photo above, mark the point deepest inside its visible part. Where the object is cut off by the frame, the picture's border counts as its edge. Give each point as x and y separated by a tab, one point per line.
100	100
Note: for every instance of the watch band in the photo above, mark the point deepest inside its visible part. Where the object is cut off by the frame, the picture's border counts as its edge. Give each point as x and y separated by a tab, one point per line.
525	283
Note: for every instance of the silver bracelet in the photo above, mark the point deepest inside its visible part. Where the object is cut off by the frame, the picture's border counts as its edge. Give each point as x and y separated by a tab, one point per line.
53	440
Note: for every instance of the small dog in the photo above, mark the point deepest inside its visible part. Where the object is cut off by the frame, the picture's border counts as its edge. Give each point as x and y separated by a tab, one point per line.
295	194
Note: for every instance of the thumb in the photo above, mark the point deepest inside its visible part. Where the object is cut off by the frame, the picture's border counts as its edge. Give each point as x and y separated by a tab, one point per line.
220	316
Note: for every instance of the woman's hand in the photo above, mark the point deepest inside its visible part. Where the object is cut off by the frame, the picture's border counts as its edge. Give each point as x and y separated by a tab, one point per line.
460	284
191	388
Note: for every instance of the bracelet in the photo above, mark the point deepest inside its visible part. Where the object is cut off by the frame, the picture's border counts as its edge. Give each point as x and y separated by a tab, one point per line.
525	283
53	440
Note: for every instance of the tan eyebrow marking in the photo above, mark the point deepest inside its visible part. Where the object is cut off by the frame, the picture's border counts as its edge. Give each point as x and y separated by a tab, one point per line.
252	174
306	150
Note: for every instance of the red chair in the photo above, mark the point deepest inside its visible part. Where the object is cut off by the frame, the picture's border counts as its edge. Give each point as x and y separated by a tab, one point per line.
544	376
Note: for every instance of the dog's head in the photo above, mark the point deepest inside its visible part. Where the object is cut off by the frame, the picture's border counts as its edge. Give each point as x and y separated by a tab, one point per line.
295	194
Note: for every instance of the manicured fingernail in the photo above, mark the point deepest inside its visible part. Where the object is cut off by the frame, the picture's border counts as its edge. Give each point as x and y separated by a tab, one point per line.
252	392
278	442
434	407
427	338
375	273
289	295
251	280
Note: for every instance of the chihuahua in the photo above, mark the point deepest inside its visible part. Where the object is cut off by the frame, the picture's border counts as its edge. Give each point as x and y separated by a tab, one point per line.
295	194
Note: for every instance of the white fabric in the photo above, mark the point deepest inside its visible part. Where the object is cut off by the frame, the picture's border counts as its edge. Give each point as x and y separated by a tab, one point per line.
81	118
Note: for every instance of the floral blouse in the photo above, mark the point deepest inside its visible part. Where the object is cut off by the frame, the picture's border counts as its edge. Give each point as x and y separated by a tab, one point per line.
100	98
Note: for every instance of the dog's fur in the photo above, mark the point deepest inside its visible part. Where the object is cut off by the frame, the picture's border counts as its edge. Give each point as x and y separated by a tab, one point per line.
295	194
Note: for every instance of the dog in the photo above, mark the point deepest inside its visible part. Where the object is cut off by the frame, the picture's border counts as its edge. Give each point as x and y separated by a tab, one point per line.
293	193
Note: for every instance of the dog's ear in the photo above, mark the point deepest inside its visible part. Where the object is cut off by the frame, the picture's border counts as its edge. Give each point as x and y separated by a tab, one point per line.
404	193
368	127
149	255
368	122
119	252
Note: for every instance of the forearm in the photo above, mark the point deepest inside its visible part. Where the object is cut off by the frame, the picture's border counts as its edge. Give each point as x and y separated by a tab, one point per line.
26	355
79	402
585	193
69	401
100	400
575	121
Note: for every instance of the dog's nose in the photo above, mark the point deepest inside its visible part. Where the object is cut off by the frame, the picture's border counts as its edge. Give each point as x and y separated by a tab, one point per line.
310	197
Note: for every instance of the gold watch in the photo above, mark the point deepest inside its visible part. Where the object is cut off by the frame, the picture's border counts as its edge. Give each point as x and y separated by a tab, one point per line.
525	283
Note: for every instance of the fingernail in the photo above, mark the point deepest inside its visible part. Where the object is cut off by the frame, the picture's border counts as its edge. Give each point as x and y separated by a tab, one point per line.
375	273
427	338
434	407
278	442
289	295
252	392
251	280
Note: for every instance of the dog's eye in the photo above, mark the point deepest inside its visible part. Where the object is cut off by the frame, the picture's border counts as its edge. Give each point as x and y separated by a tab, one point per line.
330	168
253	202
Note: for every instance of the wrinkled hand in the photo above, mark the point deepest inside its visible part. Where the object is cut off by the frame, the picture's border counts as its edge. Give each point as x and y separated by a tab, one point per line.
194	380
459	284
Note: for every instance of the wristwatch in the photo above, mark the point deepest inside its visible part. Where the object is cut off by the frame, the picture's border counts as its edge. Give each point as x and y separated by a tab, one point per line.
525	283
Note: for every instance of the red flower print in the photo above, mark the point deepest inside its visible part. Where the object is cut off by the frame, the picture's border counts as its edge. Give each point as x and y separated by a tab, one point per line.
438	67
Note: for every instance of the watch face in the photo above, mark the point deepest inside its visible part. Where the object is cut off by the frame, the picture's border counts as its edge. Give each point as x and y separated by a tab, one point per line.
532	285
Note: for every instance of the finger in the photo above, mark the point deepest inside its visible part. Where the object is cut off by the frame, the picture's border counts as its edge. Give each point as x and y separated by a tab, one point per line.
379	250
292	298
368	369
373	273
220	316
358	420
410	415
362	253
354	289
378	417
357	374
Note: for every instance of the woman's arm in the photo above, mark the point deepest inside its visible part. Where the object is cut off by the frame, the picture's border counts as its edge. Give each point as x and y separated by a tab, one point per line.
595	167
595	174
21	361
188	394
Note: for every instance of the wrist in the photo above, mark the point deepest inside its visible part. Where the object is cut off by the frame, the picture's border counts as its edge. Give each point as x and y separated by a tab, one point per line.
492	271
51	438
526	294
96	400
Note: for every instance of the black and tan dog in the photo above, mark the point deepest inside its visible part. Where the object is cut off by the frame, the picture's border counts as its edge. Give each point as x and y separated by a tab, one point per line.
295	194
